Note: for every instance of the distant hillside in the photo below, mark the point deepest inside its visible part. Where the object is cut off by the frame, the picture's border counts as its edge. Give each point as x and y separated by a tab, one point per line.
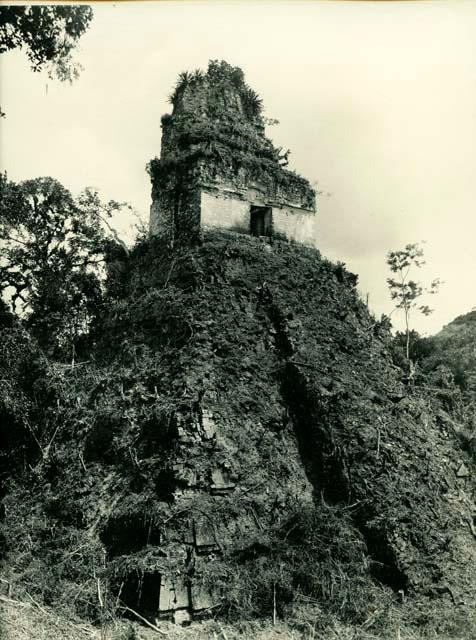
455	347
236	443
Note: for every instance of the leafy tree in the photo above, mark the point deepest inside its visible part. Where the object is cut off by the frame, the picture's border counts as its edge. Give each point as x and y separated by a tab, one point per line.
53	252
22	367
405	291
420	348
48	33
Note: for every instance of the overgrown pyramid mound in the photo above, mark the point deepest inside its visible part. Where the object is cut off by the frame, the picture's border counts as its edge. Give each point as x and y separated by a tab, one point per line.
238	442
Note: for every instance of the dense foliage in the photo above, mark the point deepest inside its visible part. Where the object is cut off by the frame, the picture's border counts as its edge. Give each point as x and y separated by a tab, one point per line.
455	348
48	33
53	252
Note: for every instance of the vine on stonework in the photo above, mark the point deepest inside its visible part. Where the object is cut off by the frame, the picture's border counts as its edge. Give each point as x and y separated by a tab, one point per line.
180	165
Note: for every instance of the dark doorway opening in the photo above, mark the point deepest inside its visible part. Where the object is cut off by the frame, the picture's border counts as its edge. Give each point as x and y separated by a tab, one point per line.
141	592
261	221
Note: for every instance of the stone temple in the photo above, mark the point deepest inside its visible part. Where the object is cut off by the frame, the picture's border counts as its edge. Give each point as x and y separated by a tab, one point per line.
217	168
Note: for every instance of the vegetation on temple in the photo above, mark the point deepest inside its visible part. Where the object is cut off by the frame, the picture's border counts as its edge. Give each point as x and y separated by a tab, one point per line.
209	136
329	518
220	74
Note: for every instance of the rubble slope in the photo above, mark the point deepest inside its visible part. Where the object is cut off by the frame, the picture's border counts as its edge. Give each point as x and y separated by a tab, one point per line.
237	442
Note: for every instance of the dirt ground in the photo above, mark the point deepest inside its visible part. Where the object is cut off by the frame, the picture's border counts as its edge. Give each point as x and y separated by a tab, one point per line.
30	621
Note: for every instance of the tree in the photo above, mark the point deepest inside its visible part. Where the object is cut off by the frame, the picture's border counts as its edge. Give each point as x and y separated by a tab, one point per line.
405	291
53	252
48	33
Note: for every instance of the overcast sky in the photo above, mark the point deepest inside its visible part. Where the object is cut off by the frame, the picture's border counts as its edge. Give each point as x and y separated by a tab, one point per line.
376	100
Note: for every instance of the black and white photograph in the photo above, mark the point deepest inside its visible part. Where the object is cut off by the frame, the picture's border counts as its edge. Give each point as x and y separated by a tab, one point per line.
238	320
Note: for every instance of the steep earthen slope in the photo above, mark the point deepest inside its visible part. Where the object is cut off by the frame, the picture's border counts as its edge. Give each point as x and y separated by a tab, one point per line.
239	442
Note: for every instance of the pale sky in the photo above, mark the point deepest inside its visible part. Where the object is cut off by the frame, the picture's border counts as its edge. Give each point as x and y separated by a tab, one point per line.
376	100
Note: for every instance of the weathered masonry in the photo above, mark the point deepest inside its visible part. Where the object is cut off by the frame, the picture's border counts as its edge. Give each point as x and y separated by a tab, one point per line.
218	169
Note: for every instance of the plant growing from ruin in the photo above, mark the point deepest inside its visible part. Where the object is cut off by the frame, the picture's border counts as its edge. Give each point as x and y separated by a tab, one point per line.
220	72
405	291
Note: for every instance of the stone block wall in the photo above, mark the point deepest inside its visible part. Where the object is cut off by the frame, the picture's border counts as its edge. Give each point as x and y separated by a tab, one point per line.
175	211
155	223
299	226
224	211
229	211
221	209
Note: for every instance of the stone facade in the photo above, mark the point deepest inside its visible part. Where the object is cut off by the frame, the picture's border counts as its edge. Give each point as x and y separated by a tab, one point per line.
227	211
217	168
